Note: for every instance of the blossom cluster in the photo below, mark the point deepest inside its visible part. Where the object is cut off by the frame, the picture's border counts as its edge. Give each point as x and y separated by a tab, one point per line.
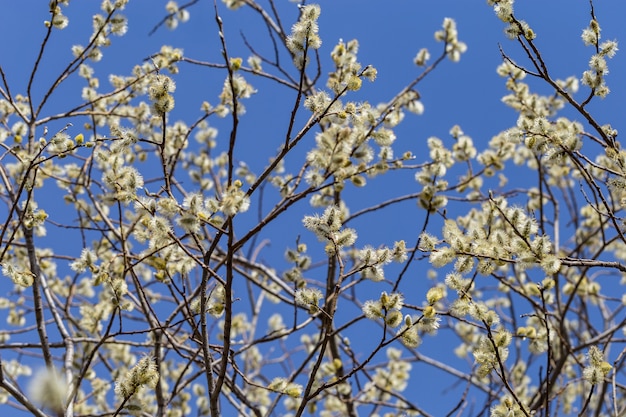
235	88
348	73
327	227
594	77
176	15
304	35
449	35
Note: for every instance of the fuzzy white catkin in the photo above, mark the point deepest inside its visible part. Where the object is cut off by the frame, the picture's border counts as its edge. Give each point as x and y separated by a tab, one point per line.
48	389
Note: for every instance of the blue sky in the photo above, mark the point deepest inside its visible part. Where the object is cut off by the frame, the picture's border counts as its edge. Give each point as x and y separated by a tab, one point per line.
390	33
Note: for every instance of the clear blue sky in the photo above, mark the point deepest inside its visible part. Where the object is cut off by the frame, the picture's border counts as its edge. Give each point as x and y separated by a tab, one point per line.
390	33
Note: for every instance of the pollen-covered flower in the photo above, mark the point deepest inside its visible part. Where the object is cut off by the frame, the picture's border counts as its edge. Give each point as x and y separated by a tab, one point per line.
238	87
504	10
435	294
441	257
283	385
124	182
19	277
143	373
86	260
409	337
235	200
550	264
354	83
309	297
159	93
608	48
392	301
591	34
373	310
598	368
317	102
59	20
394	318
119	25
370	73
427	242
